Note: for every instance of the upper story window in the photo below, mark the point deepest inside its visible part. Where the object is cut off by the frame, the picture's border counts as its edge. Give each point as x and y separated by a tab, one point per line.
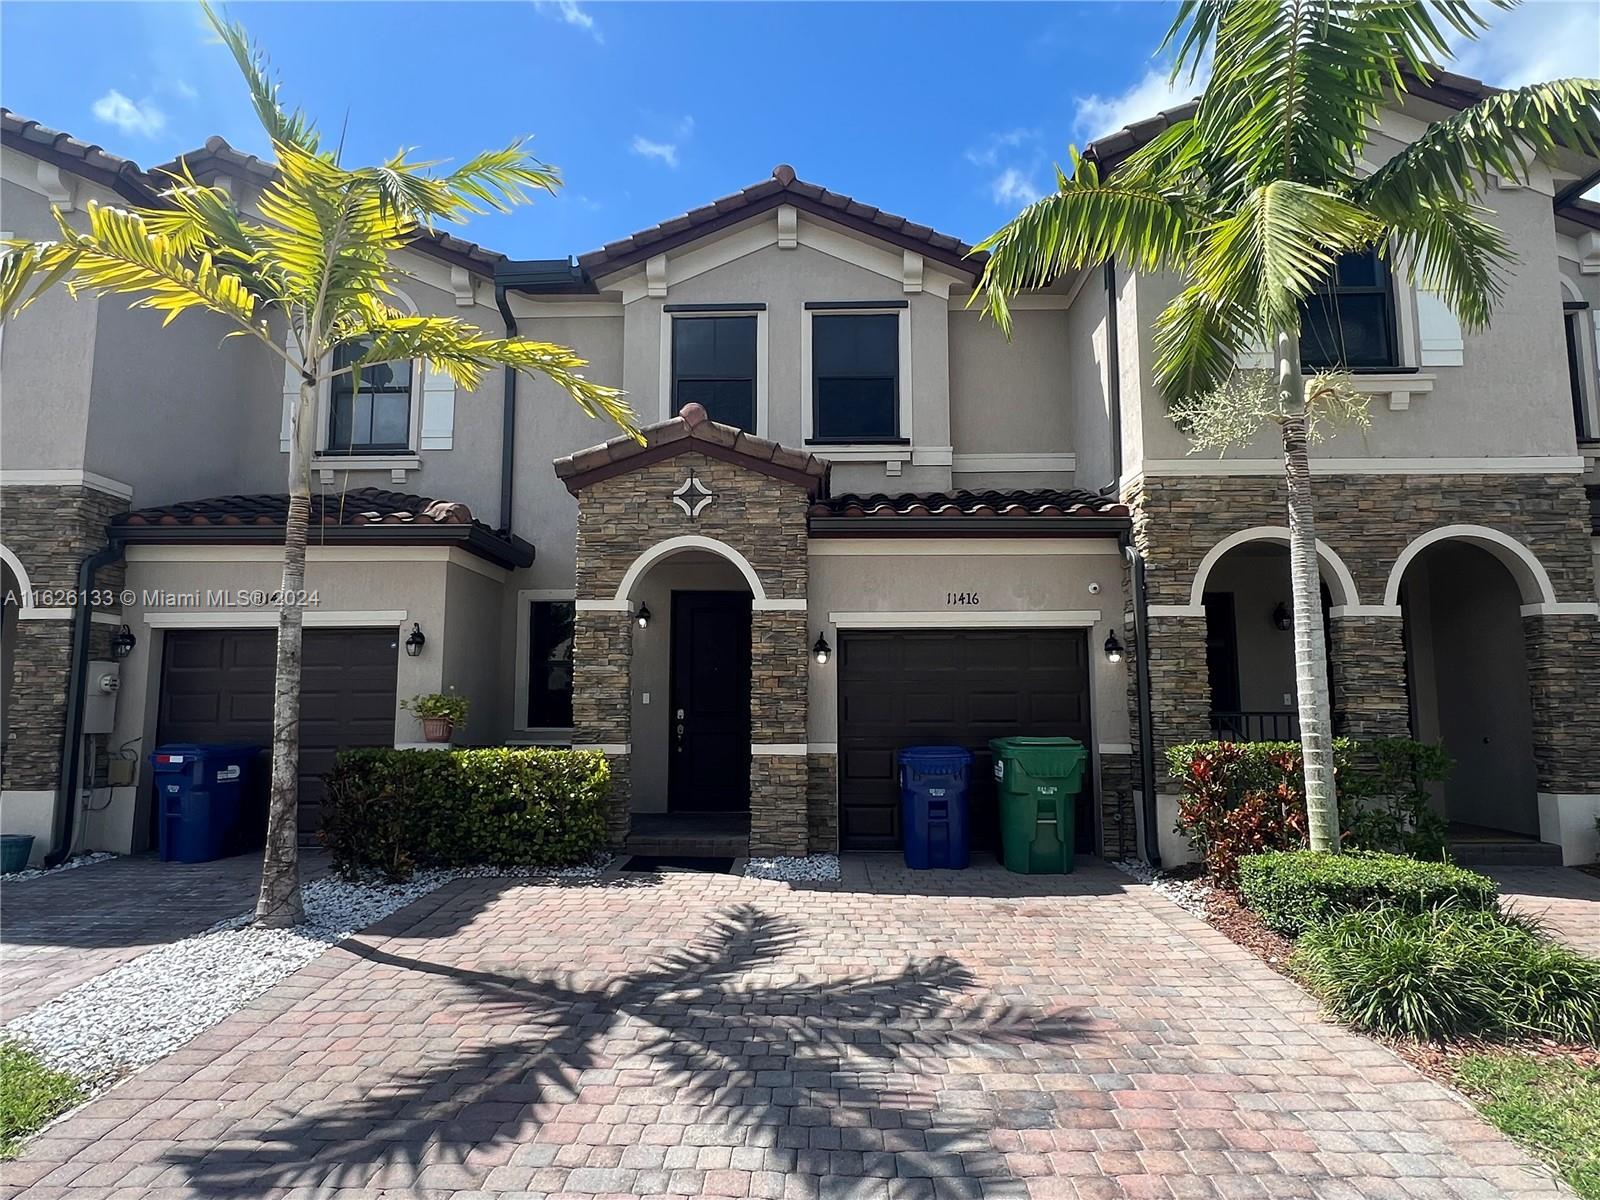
855	377
714	365
1349	321
1573	312
372	414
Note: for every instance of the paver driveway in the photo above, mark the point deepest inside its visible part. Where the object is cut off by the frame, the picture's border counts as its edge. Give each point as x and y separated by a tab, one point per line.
1565	899
971	1035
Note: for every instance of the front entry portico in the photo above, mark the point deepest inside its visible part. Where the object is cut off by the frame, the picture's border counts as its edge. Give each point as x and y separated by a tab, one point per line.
682	538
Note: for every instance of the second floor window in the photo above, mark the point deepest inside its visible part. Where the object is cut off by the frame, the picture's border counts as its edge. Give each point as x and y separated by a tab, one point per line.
1349	321
855	377
373	414
714	365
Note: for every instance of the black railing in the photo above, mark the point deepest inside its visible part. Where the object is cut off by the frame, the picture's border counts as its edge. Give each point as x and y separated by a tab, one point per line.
1256	726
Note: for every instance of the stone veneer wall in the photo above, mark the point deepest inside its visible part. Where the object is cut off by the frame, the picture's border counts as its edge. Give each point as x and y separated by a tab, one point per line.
50	530
1118	829
1369	520
764	519
822	802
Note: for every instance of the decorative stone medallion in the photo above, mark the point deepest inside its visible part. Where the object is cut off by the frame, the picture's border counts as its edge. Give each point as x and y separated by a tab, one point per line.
692	496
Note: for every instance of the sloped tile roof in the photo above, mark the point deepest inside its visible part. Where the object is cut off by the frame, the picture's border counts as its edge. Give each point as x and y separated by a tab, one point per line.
782	188
122	175
1000	505
692	429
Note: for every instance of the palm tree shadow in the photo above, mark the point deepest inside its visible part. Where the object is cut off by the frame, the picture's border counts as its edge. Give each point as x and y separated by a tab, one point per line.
746	1050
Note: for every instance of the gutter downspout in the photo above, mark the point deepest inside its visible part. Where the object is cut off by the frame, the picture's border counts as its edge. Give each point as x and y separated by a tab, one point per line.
66	807
1147	741
508	417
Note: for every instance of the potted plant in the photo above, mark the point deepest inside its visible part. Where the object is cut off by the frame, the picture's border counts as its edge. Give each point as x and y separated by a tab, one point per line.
440	713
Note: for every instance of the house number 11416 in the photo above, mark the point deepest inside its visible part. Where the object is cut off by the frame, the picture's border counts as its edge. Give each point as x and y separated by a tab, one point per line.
962	599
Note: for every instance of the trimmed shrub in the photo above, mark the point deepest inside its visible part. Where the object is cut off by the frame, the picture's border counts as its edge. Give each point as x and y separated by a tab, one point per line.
392	811
1248	797
1293	891
1450	972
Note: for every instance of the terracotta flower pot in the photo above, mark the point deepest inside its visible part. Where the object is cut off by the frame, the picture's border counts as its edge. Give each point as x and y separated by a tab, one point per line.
436	729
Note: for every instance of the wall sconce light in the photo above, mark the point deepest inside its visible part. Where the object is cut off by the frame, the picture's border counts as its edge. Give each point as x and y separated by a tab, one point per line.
415	640
643	616
1114	650
822	650
123	642
1281	617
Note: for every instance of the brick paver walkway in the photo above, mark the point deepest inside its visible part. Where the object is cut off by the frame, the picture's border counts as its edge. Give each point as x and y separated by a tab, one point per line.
1565	899
59	930
903	1035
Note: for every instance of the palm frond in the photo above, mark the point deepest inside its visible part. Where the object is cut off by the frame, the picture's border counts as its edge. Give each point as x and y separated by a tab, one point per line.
1084	222
28	269
1198	338
121	255
292	127
465	352
1453	251
1501	134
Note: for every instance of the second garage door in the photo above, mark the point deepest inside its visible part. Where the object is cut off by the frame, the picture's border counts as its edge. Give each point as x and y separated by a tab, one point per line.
216	686
960	687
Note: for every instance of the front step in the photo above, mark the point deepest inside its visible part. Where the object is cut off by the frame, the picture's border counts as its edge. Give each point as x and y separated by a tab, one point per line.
722	845
1516	852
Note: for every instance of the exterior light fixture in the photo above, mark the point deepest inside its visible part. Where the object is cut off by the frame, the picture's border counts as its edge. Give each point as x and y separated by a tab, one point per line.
643	616
1281	617
415	640
1114	649
822	650
123	642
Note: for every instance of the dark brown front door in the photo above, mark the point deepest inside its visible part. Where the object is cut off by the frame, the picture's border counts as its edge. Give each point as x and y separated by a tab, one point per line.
951	687
710	730
216	686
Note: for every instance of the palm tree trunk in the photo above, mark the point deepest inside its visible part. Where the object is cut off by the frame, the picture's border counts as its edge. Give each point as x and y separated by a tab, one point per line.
279	904
1310	650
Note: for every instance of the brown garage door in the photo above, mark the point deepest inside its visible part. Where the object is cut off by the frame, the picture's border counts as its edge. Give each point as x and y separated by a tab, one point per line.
955	687
216	686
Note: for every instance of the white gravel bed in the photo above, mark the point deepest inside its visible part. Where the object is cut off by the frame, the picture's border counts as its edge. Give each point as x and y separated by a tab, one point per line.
82	860
148	1007
812	868
1191	895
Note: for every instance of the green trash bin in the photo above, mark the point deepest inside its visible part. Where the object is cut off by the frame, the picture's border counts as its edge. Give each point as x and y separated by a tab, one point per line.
1038	780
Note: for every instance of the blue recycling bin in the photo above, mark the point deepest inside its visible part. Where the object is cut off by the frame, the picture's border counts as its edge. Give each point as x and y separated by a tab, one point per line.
201	791
933	806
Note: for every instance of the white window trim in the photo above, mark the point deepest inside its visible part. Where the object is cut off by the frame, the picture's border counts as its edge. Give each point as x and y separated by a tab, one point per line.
862	451
526	597
762	359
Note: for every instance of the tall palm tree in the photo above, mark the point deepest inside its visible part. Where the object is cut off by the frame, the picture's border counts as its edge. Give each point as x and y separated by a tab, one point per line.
1251	201
307	276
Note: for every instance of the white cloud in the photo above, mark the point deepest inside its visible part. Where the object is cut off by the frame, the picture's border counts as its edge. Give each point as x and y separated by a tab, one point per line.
1553	39
990	153
1011	186
570	12
183	89
1098	115
142	118
665	151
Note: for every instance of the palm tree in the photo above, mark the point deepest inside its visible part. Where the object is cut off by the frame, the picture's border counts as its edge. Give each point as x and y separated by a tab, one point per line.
1252	199
308	276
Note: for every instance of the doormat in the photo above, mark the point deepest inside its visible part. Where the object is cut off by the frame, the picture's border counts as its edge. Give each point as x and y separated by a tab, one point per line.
678	862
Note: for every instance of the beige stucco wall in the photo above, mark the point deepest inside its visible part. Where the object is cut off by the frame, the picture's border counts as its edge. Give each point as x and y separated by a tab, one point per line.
1012	576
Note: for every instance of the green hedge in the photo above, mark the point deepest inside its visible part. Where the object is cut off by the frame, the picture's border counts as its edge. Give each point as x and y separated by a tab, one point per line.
391	811
1295	890
1450	972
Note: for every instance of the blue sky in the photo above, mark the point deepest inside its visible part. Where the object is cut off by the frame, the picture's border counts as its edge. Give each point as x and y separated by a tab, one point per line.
948	113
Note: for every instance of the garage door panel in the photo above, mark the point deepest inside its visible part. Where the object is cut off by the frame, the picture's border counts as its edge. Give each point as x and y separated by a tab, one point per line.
217	686
962	687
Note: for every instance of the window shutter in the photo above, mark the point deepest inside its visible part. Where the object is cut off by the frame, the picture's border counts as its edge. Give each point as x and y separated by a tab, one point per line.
438	410
1438	331
291	397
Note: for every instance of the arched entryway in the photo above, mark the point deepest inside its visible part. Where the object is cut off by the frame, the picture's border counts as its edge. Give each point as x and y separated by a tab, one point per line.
1462	598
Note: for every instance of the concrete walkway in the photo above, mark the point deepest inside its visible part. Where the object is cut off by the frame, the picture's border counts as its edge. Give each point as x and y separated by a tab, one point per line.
61	929
1566	900
903	1034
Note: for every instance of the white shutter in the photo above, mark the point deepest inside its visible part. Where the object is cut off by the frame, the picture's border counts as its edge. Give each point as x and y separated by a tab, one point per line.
291	397
438	411
1255	357
1438	331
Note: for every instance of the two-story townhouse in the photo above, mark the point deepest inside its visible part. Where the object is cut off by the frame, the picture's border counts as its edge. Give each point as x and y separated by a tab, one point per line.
862	519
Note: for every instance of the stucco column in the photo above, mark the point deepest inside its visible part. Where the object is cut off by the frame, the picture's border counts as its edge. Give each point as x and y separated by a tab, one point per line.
779	772
602	656
1563	680
1368	674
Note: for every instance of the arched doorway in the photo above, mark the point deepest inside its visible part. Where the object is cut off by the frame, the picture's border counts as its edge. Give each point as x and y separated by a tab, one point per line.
1467	677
